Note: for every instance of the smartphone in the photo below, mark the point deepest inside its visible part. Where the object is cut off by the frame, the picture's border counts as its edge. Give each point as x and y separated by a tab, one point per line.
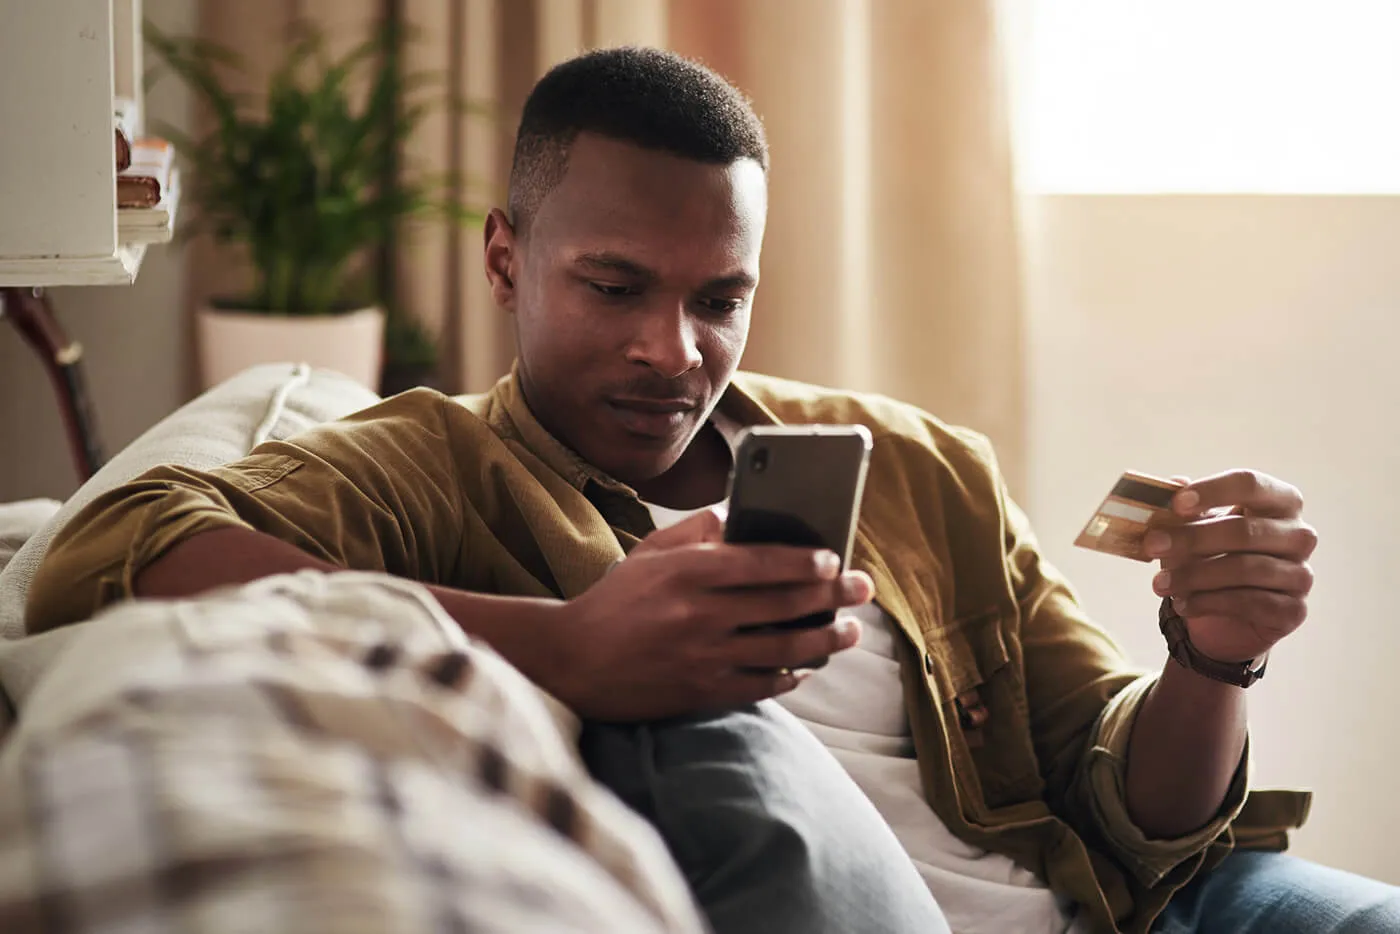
798	485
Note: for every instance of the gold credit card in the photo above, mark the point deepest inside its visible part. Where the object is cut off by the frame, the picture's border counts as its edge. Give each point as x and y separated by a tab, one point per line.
1137	503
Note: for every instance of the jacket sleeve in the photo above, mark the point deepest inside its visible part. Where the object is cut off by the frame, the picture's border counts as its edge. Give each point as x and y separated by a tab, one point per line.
376	491
1084	697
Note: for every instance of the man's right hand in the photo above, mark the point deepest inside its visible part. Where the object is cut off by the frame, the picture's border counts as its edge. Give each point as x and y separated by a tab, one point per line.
660	635
663	633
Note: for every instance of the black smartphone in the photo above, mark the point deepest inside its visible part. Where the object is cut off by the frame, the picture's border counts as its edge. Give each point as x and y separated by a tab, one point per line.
798	485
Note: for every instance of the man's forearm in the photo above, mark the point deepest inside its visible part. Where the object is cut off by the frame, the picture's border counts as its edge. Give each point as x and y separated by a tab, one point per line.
219	557
1184	749
516	627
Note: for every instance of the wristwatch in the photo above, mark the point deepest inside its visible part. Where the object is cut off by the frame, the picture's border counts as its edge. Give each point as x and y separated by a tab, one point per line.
1179	647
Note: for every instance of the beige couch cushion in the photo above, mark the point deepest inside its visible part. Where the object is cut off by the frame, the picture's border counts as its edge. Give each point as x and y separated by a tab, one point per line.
274	401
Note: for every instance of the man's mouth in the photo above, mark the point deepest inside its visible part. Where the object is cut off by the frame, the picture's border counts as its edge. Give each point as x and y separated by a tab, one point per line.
659	419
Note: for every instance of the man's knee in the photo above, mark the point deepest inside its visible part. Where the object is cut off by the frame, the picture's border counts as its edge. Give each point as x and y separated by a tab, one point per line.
751	785
769	829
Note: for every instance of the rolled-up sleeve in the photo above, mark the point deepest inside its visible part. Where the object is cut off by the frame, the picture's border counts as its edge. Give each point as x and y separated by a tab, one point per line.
377	491
1084	697
1104	776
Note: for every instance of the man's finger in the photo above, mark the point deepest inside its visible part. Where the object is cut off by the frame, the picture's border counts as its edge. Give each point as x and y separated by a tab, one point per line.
791	649
739	607
1283	538
1255	492
1264	572
1267	609
748	687
719	566
705	526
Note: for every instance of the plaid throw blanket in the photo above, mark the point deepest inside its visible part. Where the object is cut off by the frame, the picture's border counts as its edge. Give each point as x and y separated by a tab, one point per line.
308	753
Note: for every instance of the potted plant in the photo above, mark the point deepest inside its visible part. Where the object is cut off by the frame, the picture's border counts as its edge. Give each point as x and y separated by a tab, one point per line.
308	181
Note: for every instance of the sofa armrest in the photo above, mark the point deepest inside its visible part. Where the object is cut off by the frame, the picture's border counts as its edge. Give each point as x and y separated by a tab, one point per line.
270	402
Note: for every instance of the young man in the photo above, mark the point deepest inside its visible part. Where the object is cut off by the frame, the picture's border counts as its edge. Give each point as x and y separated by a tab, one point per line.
1034	780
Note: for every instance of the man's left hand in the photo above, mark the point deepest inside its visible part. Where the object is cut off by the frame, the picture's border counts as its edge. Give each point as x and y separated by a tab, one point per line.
1237	568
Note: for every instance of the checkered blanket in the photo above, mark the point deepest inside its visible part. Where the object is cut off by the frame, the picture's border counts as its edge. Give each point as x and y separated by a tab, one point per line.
307	753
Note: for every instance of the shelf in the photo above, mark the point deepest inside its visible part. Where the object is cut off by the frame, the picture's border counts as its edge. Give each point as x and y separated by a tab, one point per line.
137	228
62	67
118	269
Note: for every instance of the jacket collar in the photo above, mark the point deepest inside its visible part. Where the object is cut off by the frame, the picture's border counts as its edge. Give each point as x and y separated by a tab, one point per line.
509	414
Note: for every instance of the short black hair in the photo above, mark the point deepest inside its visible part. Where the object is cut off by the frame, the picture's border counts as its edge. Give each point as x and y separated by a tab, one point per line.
649	97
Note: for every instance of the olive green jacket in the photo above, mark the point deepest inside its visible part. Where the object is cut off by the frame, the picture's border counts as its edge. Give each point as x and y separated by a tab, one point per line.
1020	706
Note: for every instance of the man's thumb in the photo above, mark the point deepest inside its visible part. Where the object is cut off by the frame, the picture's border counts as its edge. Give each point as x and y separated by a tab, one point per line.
705	526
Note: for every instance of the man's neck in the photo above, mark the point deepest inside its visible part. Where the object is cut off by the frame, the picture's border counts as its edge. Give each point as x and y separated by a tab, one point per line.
699	478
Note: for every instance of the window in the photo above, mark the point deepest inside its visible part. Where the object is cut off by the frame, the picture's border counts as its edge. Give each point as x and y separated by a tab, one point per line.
1207	95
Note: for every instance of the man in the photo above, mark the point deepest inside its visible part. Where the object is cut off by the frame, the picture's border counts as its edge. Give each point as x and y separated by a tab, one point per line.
971	702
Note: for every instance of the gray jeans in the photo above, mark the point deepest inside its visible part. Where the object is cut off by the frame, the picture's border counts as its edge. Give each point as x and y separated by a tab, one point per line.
770	831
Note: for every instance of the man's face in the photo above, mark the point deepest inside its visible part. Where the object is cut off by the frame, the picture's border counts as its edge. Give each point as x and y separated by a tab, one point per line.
631	292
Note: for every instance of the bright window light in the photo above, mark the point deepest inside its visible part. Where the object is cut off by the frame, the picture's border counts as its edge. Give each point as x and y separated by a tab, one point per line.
1207	95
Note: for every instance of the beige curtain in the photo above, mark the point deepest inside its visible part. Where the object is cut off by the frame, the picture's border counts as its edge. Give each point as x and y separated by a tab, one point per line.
891	260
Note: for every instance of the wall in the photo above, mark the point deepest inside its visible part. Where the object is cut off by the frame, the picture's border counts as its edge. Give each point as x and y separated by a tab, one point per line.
1193	334
135	340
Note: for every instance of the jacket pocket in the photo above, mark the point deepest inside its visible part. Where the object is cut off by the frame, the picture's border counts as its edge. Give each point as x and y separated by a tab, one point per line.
965	653
983	693
257	471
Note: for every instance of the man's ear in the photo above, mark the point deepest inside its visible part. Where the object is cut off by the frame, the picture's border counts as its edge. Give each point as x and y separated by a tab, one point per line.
501	258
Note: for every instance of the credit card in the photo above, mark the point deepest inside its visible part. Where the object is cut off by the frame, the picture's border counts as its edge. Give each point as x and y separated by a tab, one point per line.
1137	503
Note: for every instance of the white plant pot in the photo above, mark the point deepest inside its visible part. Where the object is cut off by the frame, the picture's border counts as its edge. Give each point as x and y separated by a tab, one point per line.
231	341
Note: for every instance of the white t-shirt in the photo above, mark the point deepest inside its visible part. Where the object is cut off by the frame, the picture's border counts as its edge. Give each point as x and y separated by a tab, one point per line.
855	706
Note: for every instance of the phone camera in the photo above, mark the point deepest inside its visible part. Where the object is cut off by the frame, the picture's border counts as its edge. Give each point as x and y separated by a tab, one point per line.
758	462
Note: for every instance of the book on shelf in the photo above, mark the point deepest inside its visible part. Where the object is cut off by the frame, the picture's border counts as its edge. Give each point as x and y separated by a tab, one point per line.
156	215
126	118
154	224
123	151
144	182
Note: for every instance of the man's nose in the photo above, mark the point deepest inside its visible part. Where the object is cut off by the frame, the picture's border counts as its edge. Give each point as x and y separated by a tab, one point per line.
667	342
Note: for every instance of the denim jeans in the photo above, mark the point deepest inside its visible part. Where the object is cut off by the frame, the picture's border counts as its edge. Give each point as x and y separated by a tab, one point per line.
1274	893
771	833
774	837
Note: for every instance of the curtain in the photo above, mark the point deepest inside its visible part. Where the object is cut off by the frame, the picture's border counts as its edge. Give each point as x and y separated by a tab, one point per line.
494	51
891	261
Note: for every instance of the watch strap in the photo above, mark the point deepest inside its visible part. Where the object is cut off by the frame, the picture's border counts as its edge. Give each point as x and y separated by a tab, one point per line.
1180	648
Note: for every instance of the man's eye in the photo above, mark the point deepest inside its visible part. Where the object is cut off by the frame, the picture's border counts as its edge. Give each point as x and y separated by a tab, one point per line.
722	306
612	291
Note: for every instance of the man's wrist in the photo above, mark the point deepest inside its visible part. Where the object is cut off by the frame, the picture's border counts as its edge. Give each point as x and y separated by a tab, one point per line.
1182	651
522	630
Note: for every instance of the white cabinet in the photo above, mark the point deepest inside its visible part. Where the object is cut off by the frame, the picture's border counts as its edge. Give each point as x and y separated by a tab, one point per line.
63	63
